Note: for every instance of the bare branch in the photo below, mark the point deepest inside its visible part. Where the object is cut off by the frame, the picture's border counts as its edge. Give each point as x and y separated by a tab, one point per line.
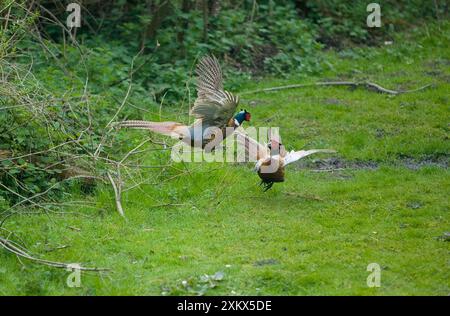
18	250
366	84
117	193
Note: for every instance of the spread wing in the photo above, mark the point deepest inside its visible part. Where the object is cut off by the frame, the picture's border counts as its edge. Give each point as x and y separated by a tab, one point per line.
296	155
213	105
253	149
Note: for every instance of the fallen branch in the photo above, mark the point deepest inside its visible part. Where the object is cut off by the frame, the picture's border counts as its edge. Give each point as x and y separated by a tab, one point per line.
366	84
18	250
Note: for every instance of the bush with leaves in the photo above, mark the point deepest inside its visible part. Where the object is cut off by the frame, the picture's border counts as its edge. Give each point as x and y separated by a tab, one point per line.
342	23
54	124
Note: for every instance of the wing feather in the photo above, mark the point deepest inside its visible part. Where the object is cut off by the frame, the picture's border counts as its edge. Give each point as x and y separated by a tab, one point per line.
296	155
213	105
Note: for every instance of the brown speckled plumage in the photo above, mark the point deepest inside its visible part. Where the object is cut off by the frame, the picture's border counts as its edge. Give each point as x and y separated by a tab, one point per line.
278	158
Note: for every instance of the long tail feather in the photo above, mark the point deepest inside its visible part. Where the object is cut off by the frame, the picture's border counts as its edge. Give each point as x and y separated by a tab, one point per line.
173	129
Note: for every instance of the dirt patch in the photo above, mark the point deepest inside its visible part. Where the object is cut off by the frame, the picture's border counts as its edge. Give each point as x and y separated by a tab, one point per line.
265	262
437	63
333	101
434	73
414	164
335	164
444	237
331	164
414	205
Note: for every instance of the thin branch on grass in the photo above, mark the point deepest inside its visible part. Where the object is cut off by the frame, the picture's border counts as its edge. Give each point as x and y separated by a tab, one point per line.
18	250
57	248
365	84
131	152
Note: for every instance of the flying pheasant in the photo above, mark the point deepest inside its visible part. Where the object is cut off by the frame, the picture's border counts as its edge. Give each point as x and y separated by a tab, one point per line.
213	109
271	160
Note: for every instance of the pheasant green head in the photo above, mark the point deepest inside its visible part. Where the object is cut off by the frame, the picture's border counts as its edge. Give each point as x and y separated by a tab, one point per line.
242	116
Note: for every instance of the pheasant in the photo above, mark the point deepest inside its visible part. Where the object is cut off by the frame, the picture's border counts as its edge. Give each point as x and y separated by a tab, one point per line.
213	109
271	160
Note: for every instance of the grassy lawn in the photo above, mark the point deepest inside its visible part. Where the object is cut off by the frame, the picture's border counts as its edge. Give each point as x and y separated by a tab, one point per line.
383	198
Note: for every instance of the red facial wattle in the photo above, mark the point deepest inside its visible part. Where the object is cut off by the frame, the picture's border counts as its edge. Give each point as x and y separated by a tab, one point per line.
248	116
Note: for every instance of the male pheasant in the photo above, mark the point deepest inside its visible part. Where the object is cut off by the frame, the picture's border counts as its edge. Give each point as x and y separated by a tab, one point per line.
213	109
271	160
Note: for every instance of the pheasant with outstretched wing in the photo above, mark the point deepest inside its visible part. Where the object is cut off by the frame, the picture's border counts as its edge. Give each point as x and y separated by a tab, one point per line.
214	110
271	160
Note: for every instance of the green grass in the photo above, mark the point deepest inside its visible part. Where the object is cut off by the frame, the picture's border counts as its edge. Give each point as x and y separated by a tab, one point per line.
315	234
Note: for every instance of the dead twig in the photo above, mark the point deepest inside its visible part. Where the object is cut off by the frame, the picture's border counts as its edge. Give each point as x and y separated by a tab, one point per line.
117	193
74	228
57	248
19	251
366	84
